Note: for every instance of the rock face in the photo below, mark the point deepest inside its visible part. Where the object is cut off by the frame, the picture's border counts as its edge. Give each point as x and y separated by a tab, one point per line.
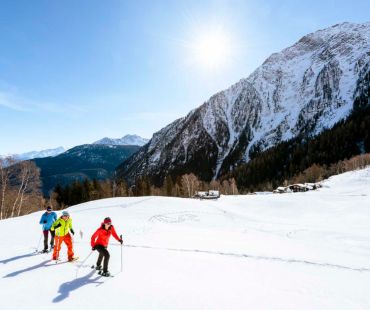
303	90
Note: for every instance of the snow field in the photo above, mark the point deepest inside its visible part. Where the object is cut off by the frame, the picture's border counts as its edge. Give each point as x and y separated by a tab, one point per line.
291	251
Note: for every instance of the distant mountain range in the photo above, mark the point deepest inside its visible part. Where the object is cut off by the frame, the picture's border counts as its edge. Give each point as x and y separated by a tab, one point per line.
301	91
92	161
126	140
89	161
40	154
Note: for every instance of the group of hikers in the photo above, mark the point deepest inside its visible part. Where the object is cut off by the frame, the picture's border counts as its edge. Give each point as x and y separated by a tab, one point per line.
61	229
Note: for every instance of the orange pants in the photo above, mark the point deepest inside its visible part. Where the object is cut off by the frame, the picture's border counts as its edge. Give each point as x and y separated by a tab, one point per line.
58	243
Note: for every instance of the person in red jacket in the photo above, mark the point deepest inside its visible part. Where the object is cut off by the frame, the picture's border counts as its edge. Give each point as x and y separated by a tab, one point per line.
99	242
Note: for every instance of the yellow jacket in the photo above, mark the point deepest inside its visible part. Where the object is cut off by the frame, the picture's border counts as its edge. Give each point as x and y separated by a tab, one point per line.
62	227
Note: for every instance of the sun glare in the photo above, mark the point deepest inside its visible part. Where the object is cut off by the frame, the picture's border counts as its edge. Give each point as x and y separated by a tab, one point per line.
210	49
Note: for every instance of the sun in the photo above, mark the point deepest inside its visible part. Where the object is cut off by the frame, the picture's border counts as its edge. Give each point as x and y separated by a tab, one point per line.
210	49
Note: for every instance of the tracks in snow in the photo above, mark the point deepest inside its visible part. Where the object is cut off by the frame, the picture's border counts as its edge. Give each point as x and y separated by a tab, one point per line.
255	257
123	206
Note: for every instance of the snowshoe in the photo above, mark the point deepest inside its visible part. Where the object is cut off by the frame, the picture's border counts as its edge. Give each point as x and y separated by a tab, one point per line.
96	267
73	259
105	273
41	252
57	260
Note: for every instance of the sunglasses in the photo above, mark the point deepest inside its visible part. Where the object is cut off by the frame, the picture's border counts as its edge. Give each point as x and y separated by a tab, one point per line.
108	223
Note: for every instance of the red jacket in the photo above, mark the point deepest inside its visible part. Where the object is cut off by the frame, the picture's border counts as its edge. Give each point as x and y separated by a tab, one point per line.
101	236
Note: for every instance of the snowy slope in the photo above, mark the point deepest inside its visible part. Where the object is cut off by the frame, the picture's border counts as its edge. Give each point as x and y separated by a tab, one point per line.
304	89
291	251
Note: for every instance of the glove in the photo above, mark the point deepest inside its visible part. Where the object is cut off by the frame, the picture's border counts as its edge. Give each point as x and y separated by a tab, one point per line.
93	248
120	241
44	222
72	231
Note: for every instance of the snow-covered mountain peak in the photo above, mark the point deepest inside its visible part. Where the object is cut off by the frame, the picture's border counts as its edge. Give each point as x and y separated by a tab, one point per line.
336	41
126	140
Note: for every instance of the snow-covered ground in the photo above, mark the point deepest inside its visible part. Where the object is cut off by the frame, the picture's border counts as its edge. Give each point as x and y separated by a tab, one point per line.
291	251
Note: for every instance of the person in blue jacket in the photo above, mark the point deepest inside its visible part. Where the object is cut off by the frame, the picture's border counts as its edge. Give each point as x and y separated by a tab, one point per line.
47	219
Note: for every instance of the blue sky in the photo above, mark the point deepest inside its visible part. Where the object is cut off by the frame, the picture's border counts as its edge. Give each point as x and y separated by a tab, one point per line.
75	71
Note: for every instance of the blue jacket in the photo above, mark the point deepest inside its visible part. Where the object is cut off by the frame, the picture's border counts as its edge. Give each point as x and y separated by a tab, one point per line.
50	218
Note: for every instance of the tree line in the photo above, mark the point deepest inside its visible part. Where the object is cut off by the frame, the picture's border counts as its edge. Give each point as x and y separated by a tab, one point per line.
317	173
185	186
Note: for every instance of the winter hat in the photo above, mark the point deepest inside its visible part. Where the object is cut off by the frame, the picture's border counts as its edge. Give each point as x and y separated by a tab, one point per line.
107	220
48	209
65	213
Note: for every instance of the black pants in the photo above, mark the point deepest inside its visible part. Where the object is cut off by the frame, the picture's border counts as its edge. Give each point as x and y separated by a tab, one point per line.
103	253
46	237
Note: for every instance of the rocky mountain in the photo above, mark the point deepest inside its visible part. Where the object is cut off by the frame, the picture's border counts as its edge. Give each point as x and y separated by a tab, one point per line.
126	140
85	161
40	154
302	90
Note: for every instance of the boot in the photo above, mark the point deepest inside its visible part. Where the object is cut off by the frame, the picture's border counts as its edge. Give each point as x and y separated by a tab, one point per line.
104	273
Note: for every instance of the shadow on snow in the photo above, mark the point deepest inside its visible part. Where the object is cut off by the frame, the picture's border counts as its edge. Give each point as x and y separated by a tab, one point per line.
15	273
11	259
66	288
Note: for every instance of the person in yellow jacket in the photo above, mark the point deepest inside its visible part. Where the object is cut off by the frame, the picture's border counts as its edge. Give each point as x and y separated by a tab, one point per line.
62	227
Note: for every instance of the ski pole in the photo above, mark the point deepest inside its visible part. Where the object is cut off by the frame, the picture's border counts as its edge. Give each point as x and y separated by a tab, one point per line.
38	244
78	268
121	251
